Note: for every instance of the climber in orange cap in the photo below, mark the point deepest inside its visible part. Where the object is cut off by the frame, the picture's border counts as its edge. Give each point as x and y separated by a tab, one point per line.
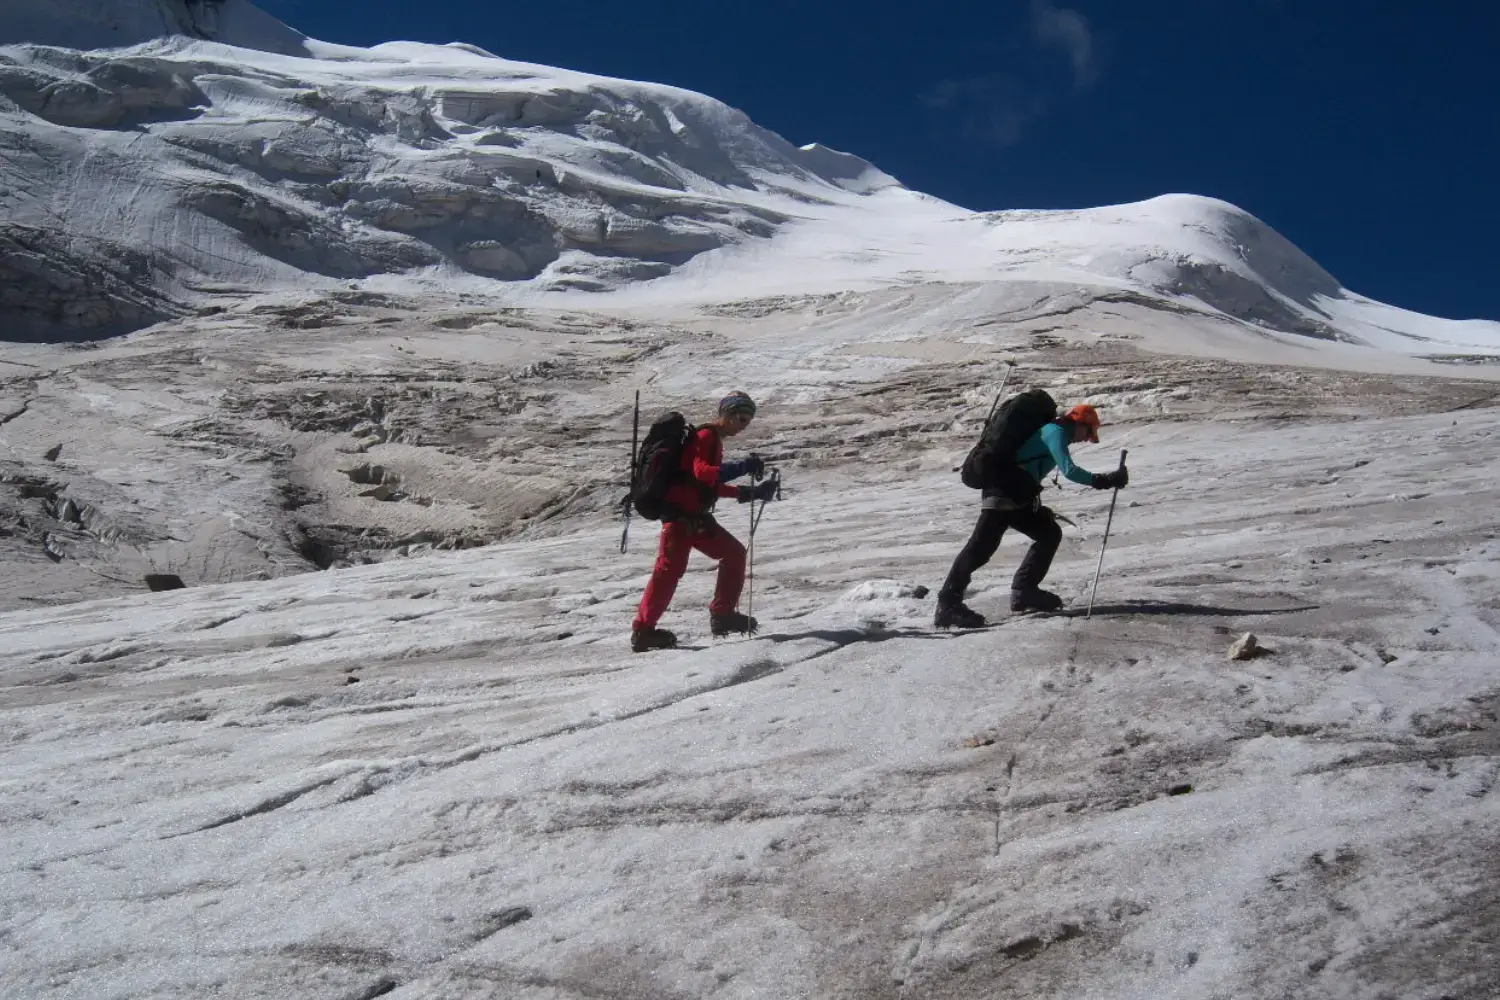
1011	476
1086	418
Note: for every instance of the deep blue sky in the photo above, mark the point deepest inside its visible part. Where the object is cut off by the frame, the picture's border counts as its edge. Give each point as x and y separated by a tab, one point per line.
1366	131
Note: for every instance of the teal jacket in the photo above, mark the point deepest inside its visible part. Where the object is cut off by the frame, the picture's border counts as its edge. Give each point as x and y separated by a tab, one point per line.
1046	450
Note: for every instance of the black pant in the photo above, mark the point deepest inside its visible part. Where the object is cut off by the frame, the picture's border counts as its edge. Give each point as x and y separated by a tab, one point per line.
1037	525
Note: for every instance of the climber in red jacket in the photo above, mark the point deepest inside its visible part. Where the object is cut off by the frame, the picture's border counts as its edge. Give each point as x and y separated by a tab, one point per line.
704	479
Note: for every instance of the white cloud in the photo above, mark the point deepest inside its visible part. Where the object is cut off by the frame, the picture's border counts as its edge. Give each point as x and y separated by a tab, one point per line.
1067	29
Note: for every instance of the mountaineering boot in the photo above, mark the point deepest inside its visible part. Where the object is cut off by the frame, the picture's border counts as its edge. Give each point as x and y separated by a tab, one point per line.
957	616
643	640
1034	599
730	622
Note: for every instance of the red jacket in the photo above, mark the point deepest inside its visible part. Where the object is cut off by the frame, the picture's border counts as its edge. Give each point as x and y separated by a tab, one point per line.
699	487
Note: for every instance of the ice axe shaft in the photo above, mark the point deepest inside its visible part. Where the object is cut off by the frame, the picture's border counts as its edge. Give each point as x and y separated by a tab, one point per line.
1105	544
635	435
1010	366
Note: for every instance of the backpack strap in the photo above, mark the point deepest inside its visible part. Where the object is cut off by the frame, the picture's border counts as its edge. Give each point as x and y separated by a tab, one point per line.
707	495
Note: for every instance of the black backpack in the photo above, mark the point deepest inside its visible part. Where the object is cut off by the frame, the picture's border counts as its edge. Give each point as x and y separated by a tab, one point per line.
658	465
991	463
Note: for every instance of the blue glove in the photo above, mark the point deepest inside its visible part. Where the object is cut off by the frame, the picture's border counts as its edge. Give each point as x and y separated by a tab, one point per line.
760	491
751	466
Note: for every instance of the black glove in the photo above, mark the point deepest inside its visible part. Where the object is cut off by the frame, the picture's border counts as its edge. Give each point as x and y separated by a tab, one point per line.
1112	480
754	465
760	491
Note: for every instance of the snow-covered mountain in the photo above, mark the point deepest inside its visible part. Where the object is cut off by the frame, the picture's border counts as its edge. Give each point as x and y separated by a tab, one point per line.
213	153
139	180
109	24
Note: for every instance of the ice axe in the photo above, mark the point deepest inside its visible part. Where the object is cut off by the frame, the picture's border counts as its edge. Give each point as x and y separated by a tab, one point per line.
1010	366
1102	545
635	435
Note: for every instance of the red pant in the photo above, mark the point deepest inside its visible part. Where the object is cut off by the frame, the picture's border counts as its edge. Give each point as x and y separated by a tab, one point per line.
678	539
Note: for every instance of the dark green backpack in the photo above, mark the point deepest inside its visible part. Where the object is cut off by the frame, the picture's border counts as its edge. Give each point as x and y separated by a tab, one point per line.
991	463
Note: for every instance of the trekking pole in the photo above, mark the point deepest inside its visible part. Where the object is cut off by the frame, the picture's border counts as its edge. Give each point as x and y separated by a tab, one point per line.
635	434
750	571
750	558
755	518
1107	522
750	561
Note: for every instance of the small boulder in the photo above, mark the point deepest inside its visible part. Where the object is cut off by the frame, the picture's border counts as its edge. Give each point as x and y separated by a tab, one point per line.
1245	647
